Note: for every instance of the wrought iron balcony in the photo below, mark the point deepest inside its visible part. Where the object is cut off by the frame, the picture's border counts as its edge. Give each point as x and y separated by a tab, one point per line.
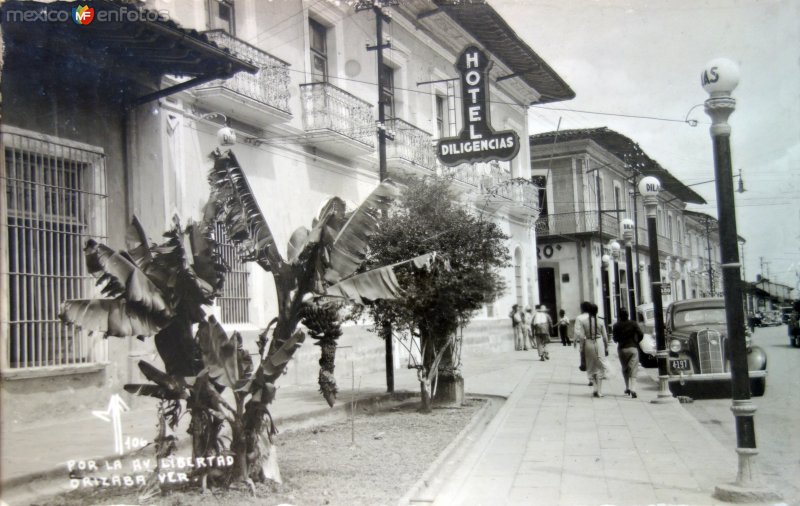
336	121
584	222
411	151
494	188
259	99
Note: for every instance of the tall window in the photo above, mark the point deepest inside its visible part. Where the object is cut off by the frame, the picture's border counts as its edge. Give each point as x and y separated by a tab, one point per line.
319	51
440	116
618	201
541	183
221	15
234	302
387	91
55	201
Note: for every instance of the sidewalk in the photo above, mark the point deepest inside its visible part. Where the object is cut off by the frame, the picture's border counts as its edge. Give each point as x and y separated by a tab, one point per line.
551	443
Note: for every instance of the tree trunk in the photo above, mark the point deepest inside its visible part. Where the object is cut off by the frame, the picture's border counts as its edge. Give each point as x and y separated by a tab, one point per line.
425	394
449	389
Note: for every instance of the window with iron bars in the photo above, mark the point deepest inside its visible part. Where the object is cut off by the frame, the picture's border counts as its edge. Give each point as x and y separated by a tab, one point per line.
235	299
52	199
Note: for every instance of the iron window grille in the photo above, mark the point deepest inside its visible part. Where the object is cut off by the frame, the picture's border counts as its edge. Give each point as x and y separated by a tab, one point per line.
234	303
53	198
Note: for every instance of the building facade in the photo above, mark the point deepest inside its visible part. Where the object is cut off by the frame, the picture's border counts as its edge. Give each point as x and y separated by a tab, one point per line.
589	185
296	84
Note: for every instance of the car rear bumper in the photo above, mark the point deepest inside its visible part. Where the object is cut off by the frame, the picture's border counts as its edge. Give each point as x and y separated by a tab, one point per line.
713	377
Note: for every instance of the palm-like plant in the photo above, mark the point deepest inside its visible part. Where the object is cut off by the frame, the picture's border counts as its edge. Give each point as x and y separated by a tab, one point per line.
159	289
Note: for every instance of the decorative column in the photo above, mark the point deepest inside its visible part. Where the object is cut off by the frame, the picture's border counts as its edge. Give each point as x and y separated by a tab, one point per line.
628	228
649	187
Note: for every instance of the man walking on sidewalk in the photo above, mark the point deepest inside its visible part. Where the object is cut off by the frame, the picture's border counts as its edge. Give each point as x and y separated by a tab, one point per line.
542	326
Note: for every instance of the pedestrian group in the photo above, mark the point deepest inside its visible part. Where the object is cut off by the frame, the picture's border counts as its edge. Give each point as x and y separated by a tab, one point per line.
590	337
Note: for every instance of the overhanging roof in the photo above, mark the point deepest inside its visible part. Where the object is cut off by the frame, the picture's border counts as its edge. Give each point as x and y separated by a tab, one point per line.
145	48
487	26
625	149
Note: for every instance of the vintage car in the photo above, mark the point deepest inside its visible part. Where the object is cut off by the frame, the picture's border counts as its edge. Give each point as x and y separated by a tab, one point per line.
647	347
697	343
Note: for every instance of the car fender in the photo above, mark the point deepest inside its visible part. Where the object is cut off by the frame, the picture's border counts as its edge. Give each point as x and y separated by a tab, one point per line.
756	359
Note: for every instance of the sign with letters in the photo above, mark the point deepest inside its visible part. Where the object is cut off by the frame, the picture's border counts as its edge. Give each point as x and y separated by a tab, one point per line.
477	142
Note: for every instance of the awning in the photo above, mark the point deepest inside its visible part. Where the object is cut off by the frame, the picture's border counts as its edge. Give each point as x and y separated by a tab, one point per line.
492	31
123	41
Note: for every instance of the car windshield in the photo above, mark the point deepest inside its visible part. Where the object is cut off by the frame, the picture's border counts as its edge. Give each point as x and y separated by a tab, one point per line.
700	316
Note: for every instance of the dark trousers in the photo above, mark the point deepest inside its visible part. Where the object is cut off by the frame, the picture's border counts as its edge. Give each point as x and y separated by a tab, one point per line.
563	333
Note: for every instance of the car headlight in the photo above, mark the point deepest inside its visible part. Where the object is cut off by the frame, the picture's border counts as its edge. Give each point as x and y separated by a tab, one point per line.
674	346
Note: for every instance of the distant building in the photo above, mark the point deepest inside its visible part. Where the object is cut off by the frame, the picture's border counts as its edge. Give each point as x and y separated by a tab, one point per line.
588	185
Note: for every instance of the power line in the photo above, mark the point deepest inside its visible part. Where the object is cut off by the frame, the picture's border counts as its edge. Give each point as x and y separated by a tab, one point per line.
655	118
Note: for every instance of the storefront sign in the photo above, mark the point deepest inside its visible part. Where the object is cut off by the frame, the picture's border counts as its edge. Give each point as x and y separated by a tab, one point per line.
477	142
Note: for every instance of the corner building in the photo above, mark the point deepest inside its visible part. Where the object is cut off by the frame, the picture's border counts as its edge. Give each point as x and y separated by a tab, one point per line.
588	180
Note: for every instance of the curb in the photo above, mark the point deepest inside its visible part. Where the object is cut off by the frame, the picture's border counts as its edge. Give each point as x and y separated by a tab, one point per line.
452	451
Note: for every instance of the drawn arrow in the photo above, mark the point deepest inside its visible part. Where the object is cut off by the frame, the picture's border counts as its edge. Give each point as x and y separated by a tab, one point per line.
113	414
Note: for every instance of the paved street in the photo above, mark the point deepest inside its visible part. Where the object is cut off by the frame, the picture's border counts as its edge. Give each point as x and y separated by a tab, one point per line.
777	417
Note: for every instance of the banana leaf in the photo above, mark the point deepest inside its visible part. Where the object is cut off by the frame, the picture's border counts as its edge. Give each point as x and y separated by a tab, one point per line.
114	317
206	262
137	244
349	248
220	353
156	391
372	285
121	277
239	211
276	361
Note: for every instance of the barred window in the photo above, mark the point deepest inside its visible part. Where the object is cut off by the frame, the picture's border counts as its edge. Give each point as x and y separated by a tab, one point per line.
53	200
235	299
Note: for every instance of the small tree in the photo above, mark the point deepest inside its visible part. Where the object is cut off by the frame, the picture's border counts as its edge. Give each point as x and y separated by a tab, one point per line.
427	217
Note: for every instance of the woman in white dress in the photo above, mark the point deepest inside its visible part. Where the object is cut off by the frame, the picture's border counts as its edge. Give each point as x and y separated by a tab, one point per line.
593	341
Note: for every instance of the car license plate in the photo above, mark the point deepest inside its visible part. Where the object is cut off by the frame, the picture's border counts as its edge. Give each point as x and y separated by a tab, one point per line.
680	365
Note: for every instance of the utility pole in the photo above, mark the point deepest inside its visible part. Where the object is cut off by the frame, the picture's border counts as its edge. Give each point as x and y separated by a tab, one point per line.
380	17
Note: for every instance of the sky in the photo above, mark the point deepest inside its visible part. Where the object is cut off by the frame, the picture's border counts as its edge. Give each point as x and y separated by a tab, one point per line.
644	58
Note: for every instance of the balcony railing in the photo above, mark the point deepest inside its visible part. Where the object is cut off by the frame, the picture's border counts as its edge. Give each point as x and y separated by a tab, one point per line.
330	110
665	244
268	87
411	144
575	223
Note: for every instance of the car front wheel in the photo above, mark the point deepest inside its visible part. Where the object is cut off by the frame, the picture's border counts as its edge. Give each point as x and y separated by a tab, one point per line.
758	386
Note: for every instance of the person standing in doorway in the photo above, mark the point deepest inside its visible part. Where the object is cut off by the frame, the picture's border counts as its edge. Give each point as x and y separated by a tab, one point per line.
542	326
594	343
563	328
627	335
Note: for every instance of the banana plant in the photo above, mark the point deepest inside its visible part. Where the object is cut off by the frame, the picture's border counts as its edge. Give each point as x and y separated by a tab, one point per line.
317	275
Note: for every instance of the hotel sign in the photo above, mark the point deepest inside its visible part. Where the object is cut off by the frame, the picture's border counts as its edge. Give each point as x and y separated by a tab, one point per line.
477	142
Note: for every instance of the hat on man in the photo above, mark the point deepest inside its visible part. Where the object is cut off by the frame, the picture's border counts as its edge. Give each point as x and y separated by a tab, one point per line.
542	308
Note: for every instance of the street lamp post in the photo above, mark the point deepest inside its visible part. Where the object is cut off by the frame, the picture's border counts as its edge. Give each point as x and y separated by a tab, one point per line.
719	79
648	189
615	247
628	228
605	260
